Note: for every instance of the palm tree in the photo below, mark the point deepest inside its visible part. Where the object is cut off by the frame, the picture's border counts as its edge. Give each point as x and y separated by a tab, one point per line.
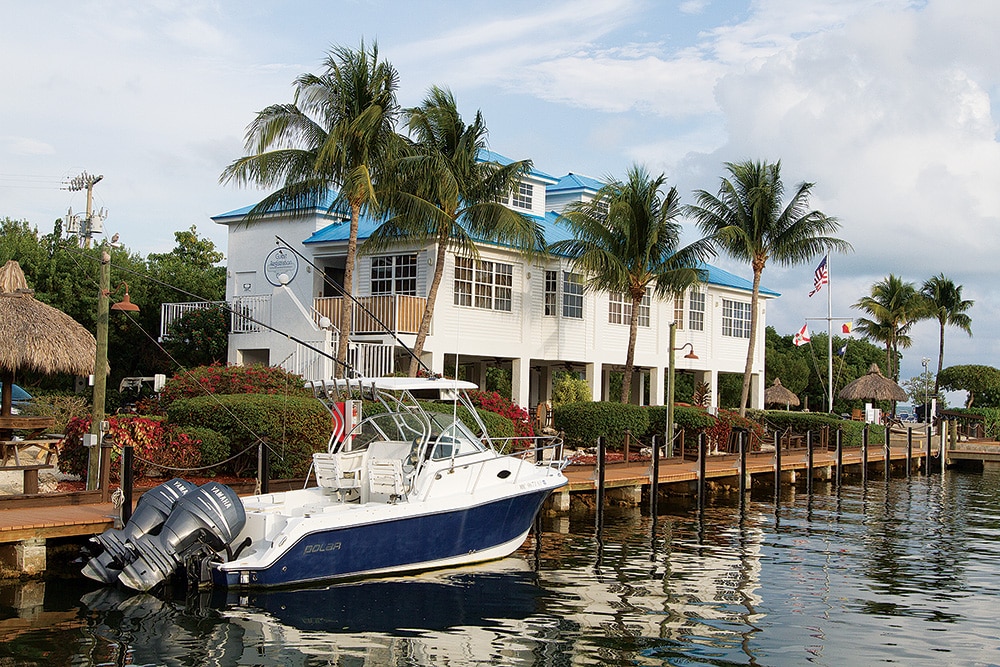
442	193
944	303
747	220
339	133
626	240
894	305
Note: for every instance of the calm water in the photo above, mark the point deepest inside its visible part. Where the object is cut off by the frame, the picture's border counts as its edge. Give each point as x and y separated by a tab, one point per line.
904	573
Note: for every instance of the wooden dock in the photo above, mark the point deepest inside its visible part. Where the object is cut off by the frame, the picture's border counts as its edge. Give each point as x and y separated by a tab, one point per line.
25	526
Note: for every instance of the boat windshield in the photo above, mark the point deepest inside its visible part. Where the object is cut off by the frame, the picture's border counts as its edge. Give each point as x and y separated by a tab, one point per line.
396	426
450	438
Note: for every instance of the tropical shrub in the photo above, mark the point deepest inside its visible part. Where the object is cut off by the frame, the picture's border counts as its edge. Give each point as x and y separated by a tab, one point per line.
218	380
582	423
569	388
494	402
155	447
693	420
293	426
497	425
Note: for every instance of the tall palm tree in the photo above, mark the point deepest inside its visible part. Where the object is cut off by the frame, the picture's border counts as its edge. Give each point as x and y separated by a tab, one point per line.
944	303
626	240
339	133
894	305
442	193
746	219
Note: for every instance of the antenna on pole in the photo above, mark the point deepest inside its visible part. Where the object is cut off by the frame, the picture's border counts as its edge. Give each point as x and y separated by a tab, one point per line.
91	223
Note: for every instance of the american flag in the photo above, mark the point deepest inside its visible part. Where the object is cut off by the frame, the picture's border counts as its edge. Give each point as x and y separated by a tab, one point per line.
820	277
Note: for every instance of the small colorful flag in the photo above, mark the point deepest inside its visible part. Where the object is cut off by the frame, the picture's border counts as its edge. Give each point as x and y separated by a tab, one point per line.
820	277
802	337
842	351
847	327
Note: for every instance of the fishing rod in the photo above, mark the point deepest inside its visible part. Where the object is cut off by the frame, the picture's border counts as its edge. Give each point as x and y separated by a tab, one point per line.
342	291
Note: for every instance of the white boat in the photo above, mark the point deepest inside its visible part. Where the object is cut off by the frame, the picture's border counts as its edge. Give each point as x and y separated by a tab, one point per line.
409	488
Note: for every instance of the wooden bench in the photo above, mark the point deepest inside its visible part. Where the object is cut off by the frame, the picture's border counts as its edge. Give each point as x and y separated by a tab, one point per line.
30	476
10	450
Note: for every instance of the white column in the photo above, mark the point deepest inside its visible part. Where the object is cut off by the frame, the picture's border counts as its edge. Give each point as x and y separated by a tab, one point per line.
657	390
520	381
592	375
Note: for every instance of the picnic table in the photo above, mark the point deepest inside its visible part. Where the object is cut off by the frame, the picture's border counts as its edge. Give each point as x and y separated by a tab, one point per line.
11	448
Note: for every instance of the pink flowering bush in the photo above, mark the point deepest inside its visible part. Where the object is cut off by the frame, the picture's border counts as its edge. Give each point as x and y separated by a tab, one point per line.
494	402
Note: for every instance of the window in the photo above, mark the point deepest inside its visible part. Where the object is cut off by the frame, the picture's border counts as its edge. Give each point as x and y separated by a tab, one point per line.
572	295
521	197
735	319
620	309
483	284
551	287
696	311
679	310
463	281
394	274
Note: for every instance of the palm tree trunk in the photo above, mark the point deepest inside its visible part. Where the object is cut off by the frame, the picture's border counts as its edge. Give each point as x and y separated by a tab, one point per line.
937	385
754	296
633	330
346	307
425	321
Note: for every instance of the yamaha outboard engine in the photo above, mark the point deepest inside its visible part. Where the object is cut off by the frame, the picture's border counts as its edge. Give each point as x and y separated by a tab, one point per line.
208	518
151	511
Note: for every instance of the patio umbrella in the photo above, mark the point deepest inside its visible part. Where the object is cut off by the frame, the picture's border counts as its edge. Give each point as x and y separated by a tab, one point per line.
35	336
873	386
779	394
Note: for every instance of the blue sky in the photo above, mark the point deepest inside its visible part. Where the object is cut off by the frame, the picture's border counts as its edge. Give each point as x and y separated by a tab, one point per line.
889	107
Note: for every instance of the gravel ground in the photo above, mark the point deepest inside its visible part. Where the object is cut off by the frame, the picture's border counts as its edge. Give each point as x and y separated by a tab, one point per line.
12	481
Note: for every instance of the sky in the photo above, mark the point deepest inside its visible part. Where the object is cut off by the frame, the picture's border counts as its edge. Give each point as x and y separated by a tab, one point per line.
889	107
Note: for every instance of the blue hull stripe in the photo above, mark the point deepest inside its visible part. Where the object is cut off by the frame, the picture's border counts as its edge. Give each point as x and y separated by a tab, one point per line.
354	550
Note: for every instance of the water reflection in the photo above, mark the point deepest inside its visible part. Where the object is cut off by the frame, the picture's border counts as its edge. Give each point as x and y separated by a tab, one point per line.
851	575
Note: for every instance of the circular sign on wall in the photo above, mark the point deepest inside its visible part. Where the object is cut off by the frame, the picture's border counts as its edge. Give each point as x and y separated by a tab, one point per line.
281	266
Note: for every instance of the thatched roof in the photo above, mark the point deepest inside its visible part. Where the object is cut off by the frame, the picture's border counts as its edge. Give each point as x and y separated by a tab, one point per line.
874	386
35	336
779	394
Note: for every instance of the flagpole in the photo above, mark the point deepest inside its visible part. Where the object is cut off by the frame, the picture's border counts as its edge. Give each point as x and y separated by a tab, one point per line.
829	334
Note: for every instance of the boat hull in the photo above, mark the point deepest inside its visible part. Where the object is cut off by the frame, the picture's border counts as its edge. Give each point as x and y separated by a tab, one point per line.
439	539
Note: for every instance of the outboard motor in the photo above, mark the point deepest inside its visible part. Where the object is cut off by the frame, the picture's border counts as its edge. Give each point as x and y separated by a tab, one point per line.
208	518
151	511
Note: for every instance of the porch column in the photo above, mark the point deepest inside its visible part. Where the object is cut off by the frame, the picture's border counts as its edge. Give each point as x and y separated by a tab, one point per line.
520	381
638	388
544	384
657	390
592	375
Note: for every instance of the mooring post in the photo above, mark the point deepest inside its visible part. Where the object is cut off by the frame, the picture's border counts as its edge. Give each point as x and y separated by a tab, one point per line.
601	459
864	454
840	454
628	441
777	463
128	453
742	436
654	478
702	456
263	467
909	450
809	462
887	452
927	450
105	470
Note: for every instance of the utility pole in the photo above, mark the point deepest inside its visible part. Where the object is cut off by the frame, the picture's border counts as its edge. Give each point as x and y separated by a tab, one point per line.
100	372
86	182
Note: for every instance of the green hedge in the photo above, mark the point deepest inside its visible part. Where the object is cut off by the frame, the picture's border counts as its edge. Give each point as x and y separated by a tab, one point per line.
692	420
294	426
582	423
991	419
213	445
802	422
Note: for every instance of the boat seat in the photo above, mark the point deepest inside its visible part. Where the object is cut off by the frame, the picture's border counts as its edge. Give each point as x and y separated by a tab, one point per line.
385	477
331	473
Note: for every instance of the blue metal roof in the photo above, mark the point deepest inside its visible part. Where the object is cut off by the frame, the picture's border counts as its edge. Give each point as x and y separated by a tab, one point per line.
341	231
321	207
491	156
571	182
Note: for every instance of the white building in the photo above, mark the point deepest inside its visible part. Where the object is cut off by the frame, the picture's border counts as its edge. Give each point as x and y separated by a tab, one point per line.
534	316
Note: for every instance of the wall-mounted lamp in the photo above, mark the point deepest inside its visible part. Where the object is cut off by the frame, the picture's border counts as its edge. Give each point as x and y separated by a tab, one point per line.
126	303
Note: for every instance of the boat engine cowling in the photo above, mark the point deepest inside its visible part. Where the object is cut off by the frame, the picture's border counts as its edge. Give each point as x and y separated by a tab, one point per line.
208	518
151	512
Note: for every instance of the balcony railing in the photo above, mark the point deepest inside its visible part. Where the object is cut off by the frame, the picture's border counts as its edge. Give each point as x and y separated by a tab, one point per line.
170	312
247	314
397	313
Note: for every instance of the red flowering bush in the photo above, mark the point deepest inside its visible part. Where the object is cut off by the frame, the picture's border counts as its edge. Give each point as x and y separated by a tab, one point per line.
494	402
154	445
220	380
726	420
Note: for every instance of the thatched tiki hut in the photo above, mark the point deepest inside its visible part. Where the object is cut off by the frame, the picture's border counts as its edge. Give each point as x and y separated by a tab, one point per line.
873	386
779	394
35	336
